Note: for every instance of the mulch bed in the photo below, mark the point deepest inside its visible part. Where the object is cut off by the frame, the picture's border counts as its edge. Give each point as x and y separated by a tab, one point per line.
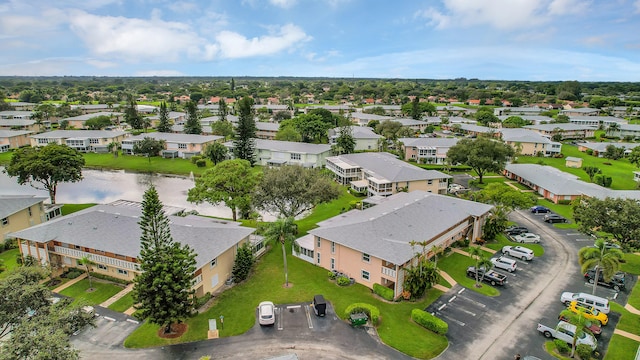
177	330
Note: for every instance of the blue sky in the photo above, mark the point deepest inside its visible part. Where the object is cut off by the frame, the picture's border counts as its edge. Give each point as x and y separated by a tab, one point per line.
584	40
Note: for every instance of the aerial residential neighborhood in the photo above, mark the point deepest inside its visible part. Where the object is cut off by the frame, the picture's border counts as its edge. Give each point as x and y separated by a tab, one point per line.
290	180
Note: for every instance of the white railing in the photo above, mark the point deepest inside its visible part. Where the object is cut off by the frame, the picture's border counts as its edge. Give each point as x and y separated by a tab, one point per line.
389	272
100	259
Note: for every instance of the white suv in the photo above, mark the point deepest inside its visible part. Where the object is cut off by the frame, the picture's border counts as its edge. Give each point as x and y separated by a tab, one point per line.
504	263
518	252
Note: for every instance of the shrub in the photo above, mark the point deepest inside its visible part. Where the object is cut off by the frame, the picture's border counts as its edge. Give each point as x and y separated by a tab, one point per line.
372	312
383	291
343	281
564	202
10	244
332	275
589	151
584	351
200	301
429	321
110	278
194	159
72	273
561	346
201	163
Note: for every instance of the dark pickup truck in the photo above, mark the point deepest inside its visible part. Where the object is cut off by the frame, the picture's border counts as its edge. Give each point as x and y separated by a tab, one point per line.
491	276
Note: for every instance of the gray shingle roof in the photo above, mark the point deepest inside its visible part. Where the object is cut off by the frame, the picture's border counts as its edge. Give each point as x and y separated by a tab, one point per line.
181	138
65	134
358	132
86	117
115	229
288	146
602	146
435	142
11	133
385	230
11	204
523	135
562	126
387	166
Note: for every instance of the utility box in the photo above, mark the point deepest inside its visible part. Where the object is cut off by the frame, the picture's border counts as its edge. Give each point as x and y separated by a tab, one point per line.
358	319
319	305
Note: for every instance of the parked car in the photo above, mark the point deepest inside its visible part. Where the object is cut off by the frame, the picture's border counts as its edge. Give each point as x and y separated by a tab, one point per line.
516	230
518	252
492	277
610	245
597	302
266	313
617	282
592	326
504	263
588	312
527	238
554	218
539	209
565	331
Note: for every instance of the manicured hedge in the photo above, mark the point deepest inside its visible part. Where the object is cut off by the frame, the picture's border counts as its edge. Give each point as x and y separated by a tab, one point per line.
371	311
429	321
383	292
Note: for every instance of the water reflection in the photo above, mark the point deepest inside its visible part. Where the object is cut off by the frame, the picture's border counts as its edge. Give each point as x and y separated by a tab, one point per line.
104	186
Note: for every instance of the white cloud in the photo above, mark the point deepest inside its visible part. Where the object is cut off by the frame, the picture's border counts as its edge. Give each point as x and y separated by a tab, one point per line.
636	5
182	6
563	7
159	73
21	24
100	64
234	45
285	4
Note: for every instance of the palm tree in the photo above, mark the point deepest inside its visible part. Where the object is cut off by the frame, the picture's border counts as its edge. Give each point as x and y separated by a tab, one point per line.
579	321
613	127
436	250
602	259
282	230
87	262
481	261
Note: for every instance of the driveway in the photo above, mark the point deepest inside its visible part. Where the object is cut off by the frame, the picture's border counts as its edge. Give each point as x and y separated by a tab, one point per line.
297	331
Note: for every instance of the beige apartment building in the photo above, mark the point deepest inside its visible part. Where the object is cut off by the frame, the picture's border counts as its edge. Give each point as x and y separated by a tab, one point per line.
18	212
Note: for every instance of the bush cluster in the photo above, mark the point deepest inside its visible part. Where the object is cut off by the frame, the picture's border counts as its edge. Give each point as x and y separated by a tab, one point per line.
561	346
332	275
584	351
110	278
429	321
372	312
200	301
201	163
195	159
343	281
72	273
383	291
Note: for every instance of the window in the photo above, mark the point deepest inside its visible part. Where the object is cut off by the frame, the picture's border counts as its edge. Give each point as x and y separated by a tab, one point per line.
182	146
102	267
123	272
196	280
214	262
317	241
5	221
94	141
333	264
366	257
29	210
429	182
296	156
318	258
365	274
333	247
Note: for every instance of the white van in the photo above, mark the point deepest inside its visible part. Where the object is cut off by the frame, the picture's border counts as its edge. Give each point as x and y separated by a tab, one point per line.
596	302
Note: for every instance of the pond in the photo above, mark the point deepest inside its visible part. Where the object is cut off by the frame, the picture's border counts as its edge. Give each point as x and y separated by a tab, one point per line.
105	186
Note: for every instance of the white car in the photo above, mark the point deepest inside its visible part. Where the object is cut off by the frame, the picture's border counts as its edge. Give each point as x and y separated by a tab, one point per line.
518	252
266	313
527	238
504	263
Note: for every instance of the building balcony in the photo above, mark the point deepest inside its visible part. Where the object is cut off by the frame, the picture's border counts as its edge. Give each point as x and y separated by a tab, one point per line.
388	272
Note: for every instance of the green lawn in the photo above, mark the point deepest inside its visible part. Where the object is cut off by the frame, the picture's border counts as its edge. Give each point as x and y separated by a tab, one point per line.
456	265
501	240
634	296
143	165
9	260
71	208
621	347
631	264
628	322
123	303
326	211
102	292
238	304
620	170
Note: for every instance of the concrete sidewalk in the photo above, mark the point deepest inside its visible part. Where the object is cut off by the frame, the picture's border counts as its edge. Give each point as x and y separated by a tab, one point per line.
69	283
627	334
117	296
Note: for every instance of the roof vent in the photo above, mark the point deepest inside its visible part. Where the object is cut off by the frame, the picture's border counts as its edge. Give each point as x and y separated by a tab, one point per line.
69	223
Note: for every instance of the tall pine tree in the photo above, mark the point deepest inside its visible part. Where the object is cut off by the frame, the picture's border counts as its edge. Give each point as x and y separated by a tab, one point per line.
163	124
131	115
192	125
244	143
223	111
163	290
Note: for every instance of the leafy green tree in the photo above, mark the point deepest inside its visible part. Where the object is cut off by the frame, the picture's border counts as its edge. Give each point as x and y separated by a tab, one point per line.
389	129
131	115
291	190
482	155
223	110
419	278
163	289
416	112
612	128
244	142
192	125
502	194
222	128
21	293
634	156
231	181
591	171
618	217
614	153
288	133
243	263
282	231
580	321
98	122
602	258
562	119
47	166
481	262
281	115
63	125
345	143
216	152
148	147
514	122
88	264
496	222
163	119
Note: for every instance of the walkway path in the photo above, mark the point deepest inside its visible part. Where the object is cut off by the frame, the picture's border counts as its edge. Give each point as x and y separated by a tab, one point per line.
632	309
117	296
69	283
627	334
448	278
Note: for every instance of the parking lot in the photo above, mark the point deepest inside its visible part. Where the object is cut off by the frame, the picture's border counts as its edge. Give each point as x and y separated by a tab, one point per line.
482	327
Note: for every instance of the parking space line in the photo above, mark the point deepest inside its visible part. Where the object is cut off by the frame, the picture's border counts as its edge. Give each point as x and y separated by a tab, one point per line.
306	310
584	239
442	307
279	315
574	234
461	291
466	311
453	298
473	301
452	319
